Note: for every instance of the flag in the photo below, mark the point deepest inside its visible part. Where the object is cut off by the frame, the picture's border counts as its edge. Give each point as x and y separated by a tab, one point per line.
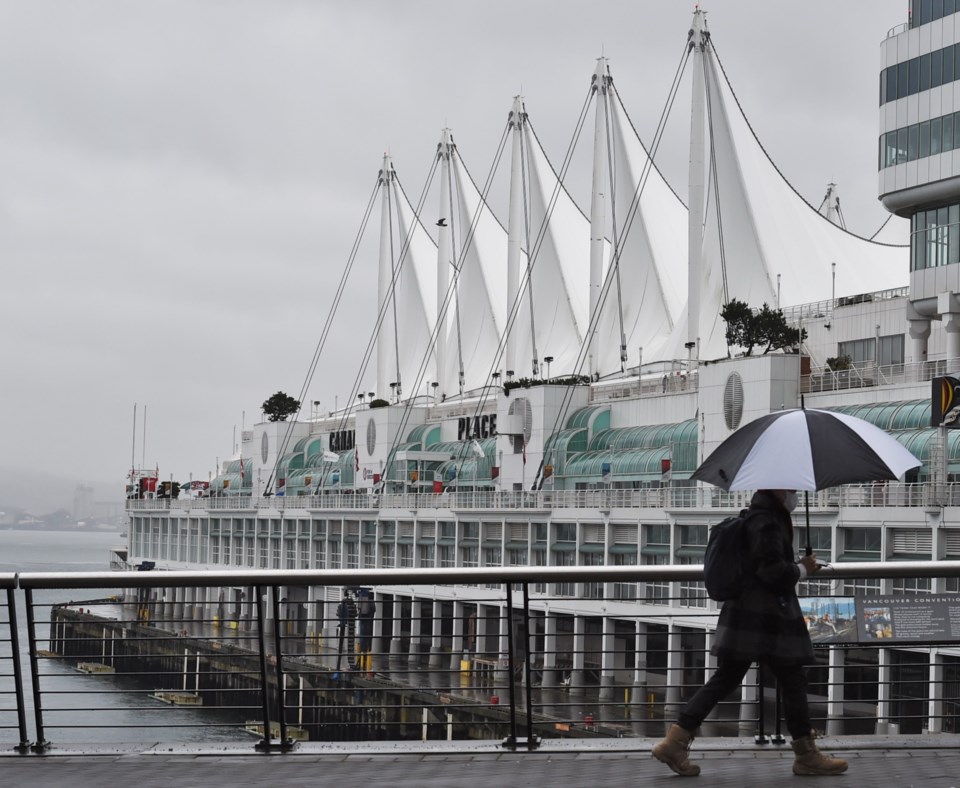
524	449
356	460
241	472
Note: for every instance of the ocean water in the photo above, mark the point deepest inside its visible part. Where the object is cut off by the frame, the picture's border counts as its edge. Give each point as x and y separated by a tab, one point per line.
80	708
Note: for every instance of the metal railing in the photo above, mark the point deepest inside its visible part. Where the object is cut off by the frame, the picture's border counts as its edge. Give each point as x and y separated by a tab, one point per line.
874	494
489	653
868	374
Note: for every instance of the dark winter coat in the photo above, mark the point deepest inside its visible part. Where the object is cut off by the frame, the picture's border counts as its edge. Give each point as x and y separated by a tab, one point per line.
765	622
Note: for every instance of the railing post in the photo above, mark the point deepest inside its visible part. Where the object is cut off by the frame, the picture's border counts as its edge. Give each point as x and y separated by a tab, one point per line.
285	742
41	744
761	735
511	740
24	744
265	743
777	737
533	742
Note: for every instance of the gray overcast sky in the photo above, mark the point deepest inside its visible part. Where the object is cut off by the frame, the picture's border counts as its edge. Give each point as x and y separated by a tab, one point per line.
181	182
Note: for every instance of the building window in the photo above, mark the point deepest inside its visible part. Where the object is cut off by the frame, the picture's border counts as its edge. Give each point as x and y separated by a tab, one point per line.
275	552
566	558
911	585
387	555
517	557
923	12
492	556
539	558
655	552
935	234
862	543
693	543
405	555
863	352
448	557
353	555
427	555
861	587
369	555
625	590
592	590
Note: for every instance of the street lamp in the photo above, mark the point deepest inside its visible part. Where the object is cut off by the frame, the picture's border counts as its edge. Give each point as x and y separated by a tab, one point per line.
548	360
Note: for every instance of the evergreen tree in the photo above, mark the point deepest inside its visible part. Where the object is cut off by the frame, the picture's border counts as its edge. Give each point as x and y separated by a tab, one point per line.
280	406
765	327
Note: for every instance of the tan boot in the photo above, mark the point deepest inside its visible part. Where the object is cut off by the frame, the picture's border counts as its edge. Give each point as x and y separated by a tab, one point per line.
810	761
673	751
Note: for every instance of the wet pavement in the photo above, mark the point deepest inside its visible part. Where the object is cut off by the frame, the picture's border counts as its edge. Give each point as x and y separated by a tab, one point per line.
932	761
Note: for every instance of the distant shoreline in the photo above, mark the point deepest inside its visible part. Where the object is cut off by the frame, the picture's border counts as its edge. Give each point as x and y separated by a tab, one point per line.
63	529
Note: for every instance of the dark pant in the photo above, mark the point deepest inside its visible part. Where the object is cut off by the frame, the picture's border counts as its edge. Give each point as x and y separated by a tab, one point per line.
729	675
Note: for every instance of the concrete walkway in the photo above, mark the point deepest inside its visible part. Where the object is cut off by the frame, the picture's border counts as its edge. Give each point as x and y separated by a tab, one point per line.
891	762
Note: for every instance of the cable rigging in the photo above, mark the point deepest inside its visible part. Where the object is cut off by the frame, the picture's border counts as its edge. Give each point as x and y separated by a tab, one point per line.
325	332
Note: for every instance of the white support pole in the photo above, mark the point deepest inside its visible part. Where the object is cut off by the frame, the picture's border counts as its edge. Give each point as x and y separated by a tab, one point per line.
750	699
671	706
515	227
883	693
598	203
935	693
696	180
549	678
607	658
384	281
835	679
578	674
445	262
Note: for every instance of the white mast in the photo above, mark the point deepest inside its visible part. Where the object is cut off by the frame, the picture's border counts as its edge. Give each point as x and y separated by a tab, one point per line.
384	282
445	260
598	217
697	178
515	229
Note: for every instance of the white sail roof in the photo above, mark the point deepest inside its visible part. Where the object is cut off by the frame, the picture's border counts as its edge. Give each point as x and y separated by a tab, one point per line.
482	284
559	235
652	251
765	228
416	297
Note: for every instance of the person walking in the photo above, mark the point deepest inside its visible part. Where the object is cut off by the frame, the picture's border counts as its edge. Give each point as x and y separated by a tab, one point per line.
347	616
366	613
764	624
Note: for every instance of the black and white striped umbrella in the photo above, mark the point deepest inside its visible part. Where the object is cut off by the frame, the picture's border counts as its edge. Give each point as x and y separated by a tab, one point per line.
805	449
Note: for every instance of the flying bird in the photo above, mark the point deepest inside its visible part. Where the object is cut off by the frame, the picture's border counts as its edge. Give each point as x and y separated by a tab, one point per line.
442	222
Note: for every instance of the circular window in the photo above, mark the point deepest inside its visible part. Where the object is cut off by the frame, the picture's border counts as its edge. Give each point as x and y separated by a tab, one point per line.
371	436
733	401
521	406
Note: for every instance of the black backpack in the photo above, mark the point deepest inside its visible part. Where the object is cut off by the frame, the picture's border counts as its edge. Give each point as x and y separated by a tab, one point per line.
723	572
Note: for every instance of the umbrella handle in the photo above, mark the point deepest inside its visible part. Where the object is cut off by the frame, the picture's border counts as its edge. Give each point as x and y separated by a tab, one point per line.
806	506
